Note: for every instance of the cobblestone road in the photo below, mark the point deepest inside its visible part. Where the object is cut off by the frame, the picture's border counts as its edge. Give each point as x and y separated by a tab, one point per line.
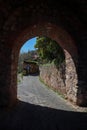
31	90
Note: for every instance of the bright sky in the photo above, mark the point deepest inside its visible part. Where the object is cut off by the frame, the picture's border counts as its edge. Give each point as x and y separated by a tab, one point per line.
28	45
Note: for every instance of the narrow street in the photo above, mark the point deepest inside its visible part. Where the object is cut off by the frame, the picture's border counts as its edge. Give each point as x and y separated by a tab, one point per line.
31	90
39	108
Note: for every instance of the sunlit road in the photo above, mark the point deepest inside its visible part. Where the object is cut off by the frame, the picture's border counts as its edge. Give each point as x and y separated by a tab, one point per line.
40	109
31	90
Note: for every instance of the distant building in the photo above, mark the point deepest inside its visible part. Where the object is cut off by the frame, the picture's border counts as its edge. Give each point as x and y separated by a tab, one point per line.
30	67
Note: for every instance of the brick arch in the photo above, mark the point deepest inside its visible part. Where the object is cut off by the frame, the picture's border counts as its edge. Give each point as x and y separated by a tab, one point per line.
21	20
50	30
64	40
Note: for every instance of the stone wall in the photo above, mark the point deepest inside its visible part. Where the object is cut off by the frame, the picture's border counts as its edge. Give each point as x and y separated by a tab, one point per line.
71	78
62	79
54	77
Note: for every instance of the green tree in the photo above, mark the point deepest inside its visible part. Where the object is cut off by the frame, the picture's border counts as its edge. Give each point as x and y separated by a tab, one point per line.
49	50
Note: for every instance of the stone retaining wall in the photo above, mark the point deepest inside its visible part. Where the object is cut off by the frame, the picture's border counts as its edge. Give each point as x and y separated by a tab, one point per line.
53	77
62	79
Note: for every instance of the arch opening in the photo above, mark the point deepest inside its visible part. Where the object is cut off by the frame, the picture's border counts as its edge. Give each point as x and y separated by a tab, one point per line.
69	84
49	30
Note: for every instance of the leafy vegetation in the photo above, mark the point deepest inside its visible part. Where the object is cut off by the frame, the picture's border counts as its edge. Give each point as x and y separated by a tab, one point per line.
49	51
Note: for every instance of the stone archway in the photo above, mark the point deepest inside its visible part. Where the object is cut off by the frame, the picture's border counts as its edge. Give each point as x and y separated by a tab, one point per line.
64	40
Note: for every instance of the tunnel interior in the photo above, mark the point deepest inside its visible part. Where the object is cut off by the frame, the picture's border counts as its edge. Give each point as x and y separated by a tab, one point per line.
23	20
